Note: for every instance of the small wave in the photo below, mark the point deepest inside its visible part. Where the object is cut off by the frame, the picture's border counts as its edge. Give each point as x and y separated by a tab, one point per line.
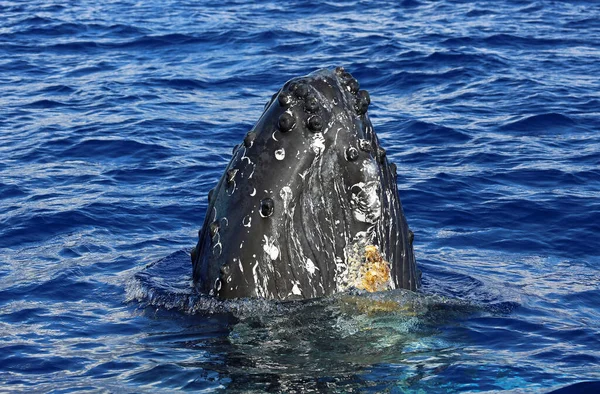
585	23
432	134
479	12
540	122
589	105
144	42
116	148
510	40
410	3
515	40
46	27
450	57
56	89
179	83
135	174
45	104
67	285
120	30
19	65
50	30
157	41
530	9
87	70
270	36
35	20
11	191
70	46
39	225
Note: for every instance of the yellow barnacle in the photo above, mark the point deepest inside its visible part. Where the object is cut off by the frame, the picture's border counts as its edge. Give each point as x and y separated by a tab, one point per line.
374	273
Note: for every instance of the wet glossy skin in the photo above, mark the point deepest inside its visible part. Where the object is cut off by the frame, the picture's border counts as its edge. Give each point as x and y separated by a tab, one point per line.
303	196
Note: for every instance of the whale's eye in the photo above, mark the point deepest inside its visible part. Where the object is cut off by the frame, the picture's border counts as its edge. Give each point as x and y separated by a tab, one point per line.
315	123
352	153
286	122
266	207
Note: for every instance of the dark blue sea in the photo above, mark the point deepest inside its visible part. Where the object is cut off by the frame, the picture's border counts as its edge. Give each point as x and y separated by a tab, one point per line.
118	117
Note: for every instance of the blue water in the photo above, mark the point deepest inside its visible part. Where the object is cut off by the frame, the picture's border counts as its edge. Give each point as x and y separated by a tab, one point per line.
117	118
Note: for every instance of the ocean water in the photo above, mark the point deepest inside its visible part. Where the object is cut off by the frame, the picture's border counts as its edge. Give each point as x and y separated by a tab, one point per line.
118	117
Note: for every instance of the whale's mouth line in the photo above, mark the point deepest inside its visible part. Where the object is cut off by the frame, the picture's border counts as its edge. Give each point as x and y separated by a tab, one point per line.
308	205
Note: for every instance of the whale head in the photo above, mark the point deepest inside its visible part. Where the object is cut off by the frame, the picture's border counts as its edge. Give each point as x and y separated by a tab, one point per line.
308	205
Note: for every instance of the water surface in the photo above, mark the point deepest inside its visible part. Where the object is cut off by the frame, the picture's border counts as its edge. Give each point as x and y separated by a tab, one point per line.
117	118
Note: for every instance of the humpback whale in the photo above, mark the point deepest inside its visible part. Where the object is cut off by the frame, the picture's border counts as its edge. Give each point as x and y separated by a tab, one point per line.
308	205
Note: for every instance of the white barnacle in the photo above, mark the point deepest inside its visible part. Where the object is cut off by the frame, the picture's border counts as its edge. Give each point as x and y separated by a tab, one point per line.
364	144
247	221
270	248
318	143
217	248
310	266
286	196
296	290
365	202
260	291
280	154
250	163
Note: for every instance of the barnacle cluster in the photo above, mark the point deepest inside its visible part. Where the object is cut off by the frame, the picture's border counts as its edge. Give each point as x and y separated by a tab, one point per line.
374	273
367	269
